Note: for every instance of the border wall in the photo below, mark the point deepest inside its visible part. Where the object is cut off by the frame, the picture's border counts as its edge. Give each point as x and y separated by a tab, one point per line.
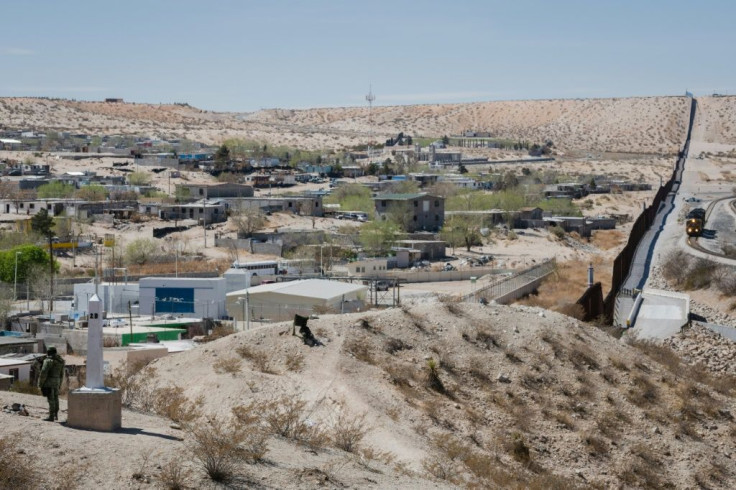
622	264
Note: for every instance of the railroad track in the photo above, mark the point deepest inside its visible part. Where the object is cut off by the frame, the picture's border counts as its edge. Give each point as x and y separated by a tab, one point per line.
693	241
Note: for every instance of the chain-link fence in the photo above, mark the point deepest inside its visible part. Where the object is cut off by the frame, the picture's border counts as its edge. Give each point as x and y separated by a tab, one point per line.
507	285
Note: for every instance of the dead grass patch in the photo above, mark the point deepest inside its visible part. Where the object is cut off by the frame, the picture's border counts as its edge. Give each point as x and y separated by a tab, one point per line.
16	472
230	365
258	357
359	347
644	393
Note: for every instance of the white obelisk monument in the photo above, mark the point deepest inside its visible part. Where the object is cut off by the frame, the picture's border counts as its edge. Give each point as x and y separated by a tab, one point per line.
94	380
95	407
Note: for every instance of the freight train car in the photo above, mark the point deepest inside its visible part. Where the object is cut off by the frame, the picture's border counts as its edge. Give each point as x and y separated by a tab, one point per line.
694	222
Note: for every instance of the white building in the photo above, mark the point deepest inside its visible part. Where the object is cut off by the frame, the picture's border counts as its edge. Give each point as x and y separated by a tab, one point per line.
115	297
19	369
282	300
191	297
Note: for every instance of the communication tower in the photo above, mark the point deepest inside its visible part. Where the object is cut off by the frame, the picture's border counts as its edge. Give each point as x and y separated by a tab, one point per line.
370	98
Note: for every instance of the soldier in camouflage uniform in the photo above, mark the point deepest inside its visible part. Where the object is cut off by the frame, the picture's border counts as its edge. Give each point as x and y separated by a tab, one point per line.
52	374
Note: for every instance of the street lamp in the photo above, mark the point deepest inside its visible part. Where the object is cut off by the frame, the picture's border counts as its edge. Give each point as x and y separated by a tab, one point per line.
15	278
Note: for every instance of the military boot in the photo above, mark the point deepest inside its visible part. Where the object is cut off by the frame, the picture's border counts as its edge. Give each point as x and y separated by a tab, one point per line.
50	418
56	415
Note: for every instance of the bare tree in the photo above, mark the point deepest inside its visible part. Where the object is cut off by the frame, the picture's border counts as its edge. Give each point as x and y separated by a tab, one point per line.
248	220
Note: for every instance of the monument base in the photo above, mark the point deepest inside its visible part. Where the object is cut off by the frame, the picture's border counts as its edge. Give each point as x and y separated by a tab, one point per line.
95	409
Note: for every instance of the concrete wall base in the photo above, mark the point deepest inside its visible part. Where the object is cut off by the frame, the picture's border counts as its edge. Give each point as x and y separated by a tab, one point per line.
95	410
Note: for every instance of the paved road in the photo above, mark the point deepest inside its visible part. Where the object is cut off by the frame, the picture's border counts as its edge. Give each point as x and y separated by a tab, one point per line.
720	228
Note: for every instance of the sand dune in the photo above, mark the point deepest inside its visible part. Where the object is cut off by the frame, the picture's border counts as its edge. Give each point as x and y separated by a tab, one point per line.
641	125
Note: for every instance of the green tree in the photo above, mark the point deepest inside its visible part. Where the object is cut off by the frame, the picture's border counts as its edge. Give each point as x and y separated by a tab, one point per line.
462	231
28	256
140	251
352	197
378	236
139	178
92	193
56	189
43	224
222	156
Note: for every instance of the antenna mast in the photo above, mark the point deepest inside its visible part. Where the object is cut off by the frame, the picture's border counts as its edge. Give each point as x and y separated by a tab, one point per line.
370	98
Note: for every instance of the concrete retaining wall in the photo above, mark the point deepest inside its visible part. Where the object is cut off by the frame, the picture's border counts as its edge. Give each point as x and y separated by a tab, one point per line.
524	290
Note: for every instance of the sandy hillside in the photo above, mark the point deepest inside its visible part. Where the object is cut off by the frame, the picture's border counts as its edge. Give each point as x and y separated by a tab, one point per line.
649	125
715	120
521	395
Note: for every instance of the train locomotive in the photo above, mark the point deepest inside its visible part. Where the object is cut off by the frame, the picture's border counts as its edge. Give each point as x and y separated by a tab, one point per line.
694	222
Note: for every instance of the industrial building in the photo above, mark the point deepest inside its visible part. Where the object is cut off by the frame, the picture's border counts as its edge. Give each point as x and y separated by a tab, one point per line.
281	301
182	296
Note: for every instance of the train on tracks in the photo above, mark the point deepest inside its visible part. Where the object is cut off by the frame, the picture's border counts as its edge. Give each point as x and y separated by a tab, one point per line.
694	222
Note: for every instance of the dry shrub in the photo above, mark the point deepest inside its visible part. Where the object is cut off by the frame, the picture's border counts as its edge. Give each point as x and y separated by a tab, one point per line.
230	365
136	384
218	332
487	339
287	417
516	446
433	378
479	370
173	475
700	274
609	376
452	303
15	472
258	357
254	436
446	463
294	361
67	477
554	342
348	431
675	266
725	277
25	387
171	403
110	341
417	320
393	345
564	419
573	310
582	358
399	376
359	347
596	445
607	239
217	446
284	416
609	424
511	356
619	363
644	393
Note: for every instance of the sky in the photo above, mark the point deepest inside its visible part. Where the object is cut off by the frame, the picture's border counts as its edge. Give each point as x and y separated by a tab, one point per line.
242	55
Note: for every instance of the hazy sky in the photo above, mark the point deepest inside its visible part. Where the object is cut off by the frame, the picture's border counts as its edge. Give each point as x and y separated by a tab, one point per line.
231	55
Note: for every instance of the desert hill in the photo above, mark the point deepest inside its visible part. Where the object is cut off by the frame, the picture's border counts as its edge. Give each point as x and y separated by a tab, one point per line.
637	125
483	395
715	120
446	394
